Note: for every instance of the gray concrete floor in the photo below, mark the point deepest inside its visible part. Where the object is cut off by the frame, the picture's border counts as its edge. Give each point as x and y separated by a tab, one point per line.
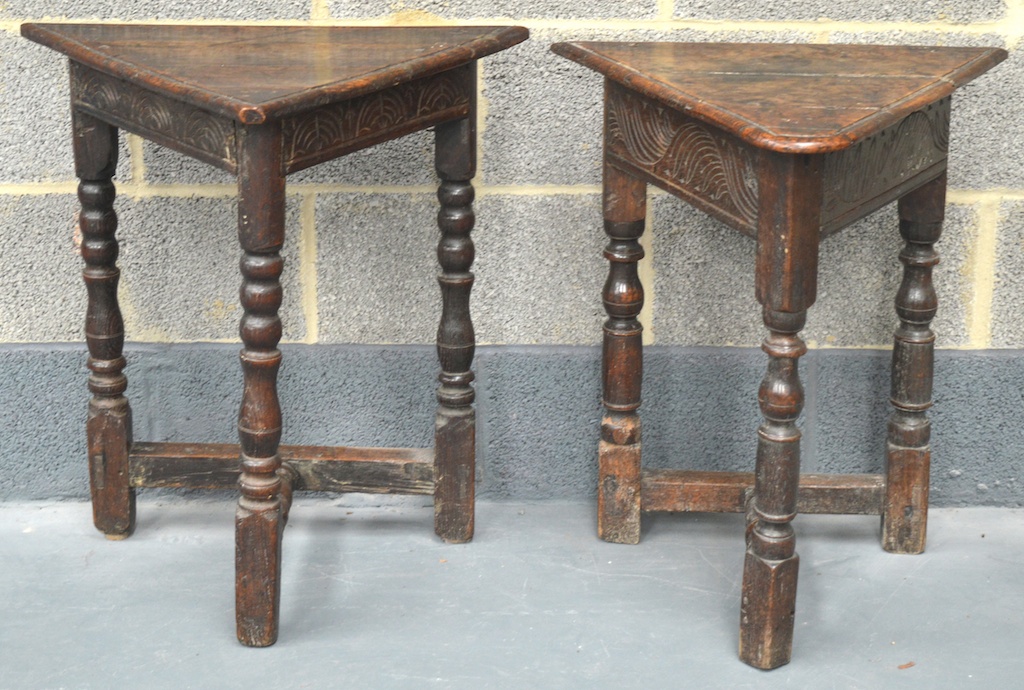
371	599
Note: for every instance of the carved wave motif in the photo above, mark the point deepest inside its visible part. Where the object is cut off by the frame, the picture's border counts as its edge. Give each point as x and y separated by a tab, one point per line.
881	161
699	162
383	110
151	113
104	93
209	133
154	115
444	94
685	153
647	133
315	133
318	131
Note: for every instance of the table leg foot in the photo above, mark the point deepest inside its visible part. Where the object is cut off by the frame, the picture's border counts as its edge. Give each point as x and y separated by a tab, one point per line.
767	611
618	495
113	499
454	465
258	574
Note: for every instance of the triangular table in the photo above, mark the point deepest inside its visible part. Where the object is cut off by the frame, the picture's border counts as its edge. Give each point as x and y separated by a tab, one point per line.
263	102
787	144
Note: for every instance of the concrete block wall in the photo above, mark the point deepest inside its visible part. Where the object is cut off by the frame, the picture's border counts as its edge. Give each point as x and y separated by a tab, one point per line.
360	266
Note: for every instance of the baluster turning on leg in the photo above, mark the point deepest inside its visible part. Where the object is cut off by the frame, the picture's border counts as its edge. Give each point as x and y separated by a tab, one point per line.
771	566
787	274
455	425
258	520
109	428
905	513
619	469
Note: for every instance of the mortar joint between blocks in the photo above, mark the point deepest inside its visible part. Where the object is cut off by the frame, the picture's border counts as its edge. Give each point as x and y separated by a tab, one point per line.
138	163
983	275
1014	18
308	267
320	9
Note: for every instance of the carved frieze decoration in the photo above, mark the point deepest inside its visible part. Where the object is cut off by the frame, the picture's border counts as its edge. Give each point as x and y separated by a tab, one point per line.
193	131
684	153
328	131
872	167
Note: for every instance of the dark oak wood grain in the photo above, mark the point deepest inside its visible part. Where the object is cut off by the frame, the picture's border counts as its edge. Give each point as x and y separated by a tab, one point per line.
255	73
315	468
693	491
139	110
455	421
332	130
689	158
258	519
618	492
787	144
905	517
789	98
263	102
881	168
109	428
770	567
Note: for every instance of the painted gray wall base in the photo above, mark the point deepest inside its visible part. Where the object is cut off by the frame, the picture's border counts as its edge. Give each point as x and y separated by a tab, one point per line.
539	411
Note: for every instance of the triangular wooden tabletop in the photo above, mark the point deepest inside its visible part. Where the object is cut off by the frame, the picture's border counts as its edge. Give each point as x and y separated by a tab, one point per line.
790	98
255	72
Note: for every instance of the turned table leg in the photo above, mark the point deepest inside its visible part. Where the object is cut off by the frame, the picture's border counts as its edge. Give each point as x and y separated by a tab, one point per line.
787	265
109	428
618	493
771	565
258	520
905	511
455	423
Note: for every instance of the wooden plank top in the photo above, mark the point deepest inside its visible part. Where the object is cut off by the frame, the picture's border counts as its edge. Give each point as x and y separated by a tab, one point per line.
253	73
789	98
